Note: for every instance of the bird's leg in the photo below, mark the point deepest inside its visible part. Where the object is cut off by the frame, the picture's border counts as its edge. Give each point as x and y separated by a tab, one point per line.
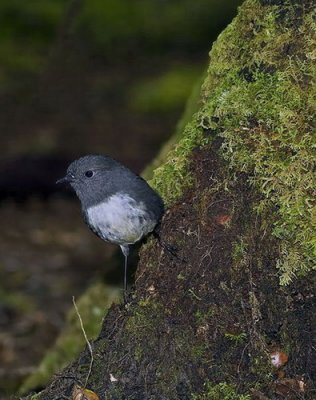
125	251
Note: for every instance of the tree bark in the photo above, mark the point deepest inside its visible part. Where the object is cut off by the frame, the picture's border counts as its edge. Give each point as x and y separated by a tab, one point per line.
239	190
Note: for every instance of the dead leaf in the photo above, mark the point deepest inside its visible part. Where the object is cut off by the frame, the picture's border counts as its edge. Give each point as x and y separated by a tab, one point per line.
289	387
278	358
80	393
223	219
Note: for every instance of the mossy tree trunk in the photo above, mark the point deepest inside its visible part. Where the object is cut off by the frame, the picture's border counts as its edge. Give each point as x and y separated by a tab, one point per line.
239	190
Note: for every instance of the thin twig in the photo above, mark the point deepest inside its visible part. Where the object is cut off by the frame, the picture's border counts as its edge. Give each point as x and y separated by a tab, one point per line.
86	339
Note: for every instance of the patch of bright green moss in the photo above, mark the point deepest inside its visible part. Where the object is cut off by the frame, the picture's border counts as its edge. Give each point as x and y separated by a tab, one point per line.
259	97
235	338
240	251
220	391
174	176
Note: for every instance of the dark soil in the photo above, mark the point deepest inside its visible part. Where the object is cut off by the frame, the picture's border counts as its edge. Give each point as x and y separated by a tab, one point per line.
214	313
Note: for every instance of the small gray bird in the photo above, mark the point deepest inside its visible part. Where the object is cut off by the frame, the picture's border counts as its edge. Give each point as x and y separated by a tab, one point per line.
118	205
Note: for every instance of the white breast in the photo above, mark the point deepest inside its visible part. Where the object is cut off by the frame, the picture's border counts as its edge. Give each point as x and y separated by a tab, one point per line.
120	219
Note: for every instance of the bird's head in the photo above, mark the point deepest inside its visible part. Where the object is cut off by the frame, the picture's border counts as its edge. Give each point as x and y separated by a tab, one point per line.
92	177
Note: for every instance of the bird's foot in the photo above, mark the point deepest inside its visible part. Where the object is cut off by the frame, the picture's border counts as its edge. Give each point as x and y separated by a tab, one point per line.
173	250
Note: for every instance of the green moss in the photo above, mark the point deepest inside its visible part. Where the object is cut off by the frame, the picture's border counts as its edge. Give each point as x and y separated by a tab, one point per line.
143	323
220	391
235	338
92	307
35	396
146	326
174	176
240	251
259	98
202	317
200	353
146	314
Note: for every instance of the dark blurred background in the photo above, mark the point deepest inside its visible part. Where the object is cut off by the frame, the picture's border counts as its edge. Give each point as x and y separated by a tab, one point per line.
77	77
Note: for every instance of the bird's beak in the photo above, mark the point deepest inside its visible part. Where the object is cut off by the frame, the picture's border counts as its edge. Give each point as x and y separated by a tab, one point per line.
66	179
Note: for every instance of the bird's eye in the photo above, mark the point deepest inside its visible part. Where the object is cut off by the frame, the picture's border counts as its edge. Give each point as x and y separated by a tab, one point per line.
89	174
